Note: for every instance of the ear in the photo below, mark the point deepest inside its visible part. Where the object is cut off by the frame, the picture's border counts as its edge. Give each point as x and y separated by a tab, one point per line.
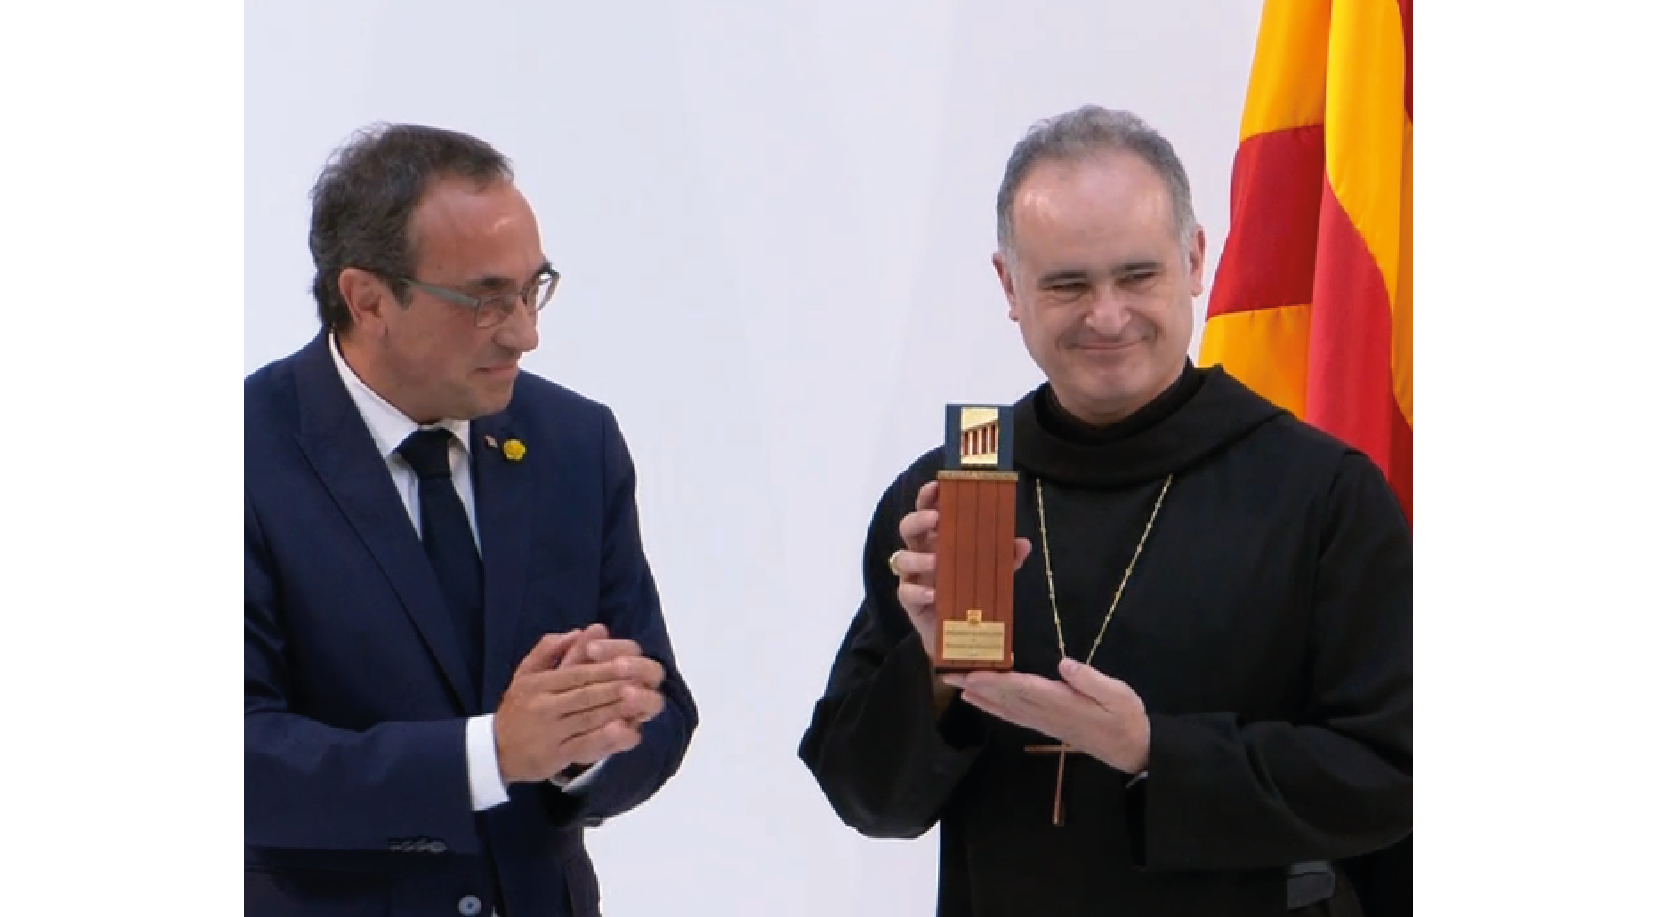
368	298
1004	273
1199	245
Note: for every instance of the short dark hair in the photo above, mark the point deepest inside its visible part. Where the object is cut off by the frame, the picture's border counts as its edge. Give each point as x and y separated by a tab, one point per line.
364	199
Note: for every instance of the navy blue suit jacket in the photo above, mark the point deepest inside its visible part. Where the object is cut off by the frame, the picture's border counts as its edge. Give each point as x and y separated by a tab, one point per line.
357	798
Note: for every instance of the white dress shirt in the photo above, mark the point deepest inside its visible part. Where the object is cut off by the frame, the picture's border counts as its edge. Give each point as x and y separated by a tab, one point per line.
390	427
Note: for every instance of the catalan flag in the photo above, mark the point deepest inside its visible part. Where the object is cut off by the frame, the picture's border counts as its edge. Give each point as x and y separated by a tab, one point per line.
1311	305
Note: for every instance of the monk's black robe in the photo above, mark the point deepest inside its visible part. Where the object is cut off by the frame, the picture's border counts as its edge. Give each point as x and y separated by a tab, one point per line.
1267	627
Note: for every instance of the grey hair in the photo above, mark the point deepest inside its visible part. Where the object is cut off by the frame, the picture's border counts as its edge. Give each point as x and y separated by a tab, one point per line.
1090	131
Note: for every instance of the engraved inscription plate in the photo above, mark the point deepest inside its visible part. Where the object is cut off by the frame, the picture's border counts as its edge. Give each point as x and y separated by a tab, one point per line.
974	640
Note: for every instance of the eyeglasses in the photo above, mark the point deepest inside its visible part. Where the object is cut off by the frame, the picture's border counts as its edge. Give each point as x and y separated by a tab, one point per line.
489	311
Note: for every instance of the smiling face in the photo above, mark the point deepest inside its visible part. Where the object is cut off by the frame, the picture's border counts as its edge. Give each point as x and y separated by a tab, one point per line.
427	357
1099	282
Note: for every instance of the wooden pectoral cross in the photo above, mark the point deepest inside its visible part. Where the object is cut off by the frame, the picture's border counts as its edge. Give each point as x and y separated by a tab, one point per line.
1058	784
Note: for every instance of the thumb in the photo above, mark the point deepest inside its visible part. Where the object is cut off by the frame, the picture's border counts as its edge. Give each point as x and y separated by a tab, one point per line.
580	648
1021	552
546	653
1089	682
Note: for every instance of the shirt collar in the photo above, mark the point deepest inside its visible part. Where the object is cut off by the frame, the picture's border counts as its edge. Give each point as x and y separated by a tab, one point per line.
386	424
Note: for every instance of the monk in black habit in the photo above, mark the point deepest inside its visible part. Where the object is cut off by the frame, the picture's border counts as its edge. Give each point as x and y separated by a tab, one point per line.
1212	609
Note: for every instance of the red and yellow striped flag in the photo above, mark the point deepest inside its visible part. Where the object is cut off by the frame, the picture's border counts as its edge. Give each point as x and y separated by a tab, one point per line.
1311	300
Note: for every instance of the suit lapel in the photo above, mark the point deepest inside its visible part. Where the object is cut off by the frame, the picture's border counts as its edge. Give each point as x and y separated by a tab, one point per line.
337	443
504	492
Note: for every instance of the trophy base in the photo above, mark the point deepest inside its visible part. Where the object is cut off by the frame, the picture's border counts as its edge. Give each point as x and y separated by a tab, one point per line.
974	598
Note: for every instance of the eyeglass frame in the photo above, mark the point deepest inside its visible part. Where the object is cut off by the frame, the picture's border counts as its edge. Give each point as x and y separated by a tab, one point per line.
547	273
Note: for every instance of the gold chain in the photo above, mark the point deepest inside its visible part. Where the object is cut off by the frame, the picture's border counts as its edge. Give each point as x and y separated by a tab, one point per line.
1047	559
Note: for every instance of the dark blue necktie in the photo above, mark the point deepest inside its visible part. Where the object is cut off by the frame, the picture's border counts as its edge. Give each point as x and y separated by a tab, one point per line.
447	537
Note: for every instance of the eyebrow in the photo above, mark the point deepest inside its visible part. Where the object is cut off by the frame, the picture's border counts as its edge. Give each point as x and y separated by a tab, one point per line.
1138	267
496	282
1064	276
1078	275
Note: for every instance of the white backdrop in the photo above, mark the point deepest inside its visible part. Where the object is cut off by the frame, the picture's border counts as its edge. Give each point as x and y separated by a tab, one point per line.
774	222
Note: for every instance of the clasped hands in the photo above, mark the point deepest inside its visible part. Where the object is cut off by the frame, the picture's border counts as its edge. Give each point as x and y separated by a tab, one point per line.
1085	708
575	699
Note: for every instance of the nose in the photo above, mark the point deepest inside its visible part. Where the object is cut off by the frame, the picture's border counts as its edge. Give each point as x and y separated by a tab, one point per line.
520	331
1107	314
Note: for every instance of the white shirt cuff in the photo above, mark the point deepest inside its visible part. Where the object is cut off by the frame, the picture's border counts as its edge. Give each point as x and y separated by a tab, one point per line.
483	769
580	782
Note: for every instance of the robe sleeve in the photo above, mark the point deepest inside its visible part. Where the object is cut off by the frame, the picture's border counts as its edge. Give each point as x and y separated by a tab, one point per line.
1224	794
884	759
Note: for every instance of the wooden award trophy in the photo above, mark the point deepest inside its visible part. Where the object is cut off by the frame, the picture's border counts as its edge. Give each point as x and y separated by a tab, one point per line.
977	499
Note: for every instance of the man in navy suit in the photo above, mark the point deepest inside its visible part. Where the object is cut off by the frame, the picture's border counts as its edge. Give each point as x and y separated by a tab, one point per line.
456	660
